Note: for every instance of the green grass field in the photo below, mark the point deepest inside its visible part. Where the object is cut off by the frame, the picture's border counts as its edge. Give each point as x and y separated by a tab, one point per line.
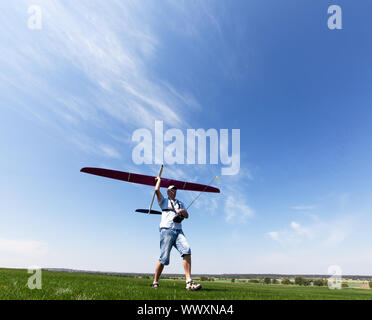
63	285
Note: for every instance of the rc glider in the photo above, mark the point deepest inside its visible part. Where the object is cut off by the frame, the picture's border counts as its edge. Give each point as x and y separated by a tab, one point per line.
150	181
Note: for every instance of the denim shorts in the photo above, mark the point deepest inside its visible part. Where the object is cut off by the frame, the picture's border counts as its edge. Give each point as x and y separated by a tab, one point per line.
172	237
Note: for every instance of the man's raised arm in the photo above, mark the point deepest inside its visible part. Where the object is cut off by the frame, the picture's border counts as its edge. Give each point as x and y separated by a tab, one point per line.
157	189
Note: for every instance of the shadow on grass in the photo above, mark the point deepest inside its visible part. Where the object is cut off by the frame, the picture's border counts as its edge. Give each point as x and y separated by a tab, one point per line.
213	289
178	287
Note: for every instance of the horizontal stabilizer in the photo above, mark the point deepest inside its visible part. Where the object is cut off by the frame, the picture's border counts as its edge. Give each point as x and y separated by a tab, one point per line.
147	211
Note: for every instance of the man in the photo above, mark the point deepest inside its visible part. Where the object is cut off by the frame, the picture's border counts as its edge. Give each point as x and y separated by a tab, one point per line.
173	212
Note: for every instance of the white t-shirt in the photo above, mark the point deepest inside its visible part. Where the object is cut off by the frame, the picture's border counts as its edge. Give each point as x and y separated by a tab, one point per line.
168	214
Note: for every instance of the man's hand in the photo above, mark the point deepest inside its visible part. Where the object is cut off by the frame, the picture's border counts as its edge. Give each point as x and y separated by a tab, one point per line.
183	212
157	185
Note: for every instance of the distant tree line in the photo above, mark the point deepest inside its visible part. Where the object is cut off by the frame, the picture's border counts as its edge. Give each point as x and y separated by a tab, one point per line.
205	278
320	282
254	281
300	281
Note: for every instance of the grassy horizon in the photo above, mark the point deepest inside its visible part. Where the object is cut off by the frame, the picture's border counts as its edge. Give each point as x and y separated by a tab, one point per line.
81	286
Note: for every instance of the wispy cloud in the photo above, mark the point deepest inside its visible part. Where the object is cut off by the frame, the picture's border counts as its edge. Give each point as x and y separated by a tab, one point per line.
237	210
273	235
110	152
301	231
106	51
339	231
319	233
236	200
293	236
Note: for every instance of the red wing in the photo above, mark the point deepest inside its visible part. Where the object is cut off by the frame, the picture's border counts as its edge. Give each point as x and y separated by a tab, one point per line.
148	180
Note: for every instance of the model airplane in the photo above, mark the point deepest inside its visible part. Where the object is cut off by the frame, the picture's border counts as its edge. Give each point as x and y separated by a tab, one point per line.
150	181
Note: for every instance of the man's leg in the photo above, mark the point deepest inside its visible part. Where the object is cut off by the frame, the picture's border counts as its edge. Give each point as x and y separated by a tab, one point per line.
184	248
190	285
187	265
166	241
158	270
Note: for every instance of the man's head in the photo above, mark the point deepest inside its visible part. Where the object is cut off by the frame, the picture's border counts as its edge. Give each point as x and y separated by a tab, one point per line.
172	190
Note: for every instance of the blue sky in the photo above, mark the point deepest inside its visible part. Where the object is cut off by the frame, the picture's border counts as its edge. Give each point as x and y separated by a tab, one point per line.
73	92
